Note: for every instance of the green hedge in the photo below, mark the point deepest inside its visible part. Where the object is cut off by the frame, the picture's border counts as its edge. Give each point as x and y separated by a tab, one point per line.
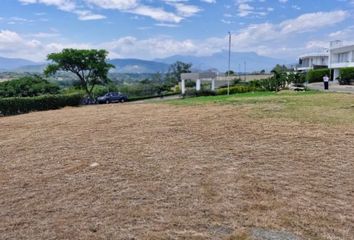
27	87
12	106
316	75
132	99
346	75
200	93
235	89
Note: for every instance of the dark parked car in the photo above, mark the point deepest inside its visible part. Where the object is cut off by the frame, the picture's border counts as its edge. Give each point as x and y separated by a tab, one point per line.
112	97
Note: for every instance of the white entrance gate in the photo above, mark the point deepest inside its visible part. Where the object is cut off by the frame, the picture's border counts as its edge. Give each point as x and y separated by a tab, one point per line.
198	78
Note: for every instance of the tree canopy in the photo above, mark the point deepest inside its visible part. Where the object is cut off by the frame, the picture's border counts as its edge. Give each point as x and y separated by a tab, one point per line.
176	69
89	66
230	73
27	87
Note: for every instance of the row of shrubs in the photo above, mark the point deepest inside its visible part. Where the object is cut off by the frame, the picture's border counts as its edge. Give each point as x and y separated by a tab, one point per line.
194	93
29	86
317	75
220	91
346	75
18	105
236	89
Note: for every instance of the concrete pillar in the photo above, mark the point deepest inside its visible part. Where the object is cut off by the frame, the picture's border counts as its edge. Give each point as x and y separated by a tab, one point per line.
198	85
213	85
350	57
336	74
183	86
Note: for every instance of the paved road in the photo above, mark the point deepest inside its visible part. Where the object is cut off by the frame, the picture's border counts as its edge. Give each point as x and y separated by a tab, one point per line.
333	87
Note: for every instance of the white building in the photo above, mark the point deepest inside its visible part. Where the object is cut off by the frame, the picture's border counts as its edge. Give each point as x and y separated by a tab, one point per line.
340	56
311	61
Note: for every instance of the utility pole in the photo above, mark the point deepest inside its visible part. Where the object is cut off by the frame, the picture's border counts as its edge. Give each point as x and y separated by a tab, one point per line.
228	73
245	70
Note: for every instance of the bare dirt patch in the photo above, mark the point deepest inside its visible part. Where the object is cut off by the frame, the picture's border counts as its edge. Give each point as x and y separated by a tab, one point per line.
155	171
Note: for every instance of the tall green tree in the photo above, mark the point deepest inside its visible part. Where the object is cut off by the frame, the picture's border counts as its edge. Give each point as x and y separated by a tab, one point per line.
90	66
176	69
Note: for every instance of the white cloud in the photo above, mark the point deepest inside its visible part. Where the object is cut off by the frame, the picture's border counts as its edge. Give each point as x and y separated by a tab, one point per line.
13	44
156	13
313	21
185	10
114	4
83	8
8	37
245	9
85	15
65	5
45	35
268	39
345	34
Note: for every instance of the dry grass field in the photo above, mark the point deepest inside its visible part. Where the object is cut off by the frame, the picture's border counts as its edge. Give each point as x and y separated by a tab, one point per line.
207	168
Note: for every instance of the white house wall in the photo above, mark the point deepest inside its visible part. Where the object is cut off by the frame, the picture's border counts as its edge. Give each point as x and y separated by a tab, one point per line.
342	57
308	62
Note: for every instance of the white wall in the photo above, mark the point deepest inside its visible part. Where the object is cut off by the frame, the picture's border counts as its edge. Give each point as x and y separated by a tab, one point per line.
342	57
308	62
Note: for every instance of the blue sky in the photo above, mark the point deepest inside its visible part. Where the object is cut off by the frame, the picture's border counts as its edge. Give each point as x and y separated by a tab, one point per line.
151	29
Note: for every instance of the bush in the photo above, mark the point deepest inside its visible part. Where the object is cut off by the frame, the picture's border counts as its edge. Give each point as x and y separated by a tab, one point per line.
298	79
346	75
27	87
236	89
256	84
100	90
195	93
142	90
316	75
236	81
269	84
12	106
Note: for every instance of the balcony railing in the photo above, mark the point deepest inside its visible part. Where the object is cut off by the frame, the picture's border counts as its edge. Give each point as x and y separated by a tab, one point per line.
302	65
336	61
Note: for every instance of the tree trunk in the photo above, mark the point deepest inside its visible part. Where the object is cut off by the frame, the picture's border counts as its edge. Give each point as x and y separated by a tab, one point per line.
85	85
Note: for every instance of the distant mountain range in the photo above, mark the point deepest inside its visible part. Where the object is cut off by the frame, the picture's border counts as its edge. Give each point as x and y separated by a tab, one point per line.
240	62
13	63
131	65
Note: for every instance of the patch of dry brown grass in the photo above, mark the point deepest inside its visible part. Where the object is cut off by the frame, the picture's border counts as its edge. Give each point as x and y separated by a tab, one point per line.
172	172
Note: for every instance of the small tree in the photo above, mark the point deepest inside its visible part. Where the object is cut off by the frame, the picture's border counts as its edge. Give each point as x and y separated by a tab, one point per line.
296	78
89	66
279	79
230	73
175	71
